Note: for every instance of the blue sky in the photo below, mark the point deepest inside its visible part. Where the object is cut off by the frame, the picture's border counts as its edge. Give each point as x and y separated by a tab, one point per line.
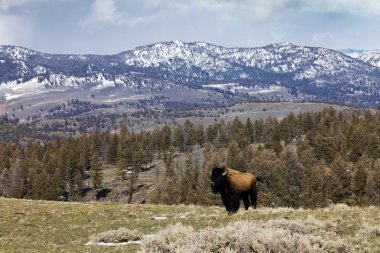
112	26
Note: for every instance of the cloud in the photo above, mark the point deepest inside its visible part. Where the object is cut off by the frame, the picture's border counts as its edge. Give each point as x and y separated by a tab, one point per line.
322	37
354	7
13	29
255	10
5	5
104	11
261	10
108	13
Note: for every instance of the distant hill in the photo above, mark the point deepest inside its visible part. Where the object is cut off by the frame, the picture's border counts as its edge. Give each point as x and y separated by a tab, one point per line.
370	56
309	73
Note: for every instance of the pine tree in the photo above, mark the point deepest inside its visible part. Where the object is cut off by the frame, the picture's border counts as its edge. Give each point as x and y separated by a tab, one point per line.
359	181
266	165
373	183
235	157
189	134
178	141
96	171
133	177
250	131
112	148
341	170
292	176
166	134
199	135
123	155
147	150
316	186
56	185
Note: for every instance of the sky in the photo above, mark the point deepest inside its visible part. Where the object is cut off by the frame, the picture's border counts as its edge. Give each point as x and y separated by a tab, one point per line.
113	26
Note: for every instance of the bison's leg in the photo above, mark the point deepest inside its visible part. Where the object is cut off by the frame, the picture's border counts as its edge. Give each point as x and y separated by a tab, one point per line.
226	202
245	200
225	199
253	195
234	204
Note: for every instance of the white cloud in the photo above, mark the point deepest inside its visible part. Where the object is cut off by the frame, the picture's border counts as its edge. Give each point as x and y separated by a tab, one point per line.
354	7
322	37
5	5
13	29
261	10
255	10
106	12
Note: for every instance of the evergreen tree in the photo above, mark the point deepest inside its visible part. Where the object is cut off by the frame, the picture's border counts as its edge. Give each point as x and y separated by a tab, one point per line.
56	185
113	142
341	170
235	157
123	155
96	171
292	176
359	181
188	134
266	165
373	183
133	177
166	135
316	187
249	131
179	141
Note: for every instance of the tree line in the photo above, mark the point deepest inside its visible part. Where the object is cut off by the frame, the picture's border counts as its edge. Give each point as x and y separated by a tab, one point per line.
307	160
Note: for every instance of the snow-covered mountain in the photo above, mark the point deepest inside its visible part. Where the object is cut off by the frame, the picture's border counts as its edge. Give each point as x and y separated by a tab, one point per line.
370	56
320	73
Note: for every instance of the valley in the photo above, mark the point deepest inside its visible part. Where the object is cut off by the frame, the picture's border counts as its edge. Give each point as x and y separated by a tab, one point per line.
158	126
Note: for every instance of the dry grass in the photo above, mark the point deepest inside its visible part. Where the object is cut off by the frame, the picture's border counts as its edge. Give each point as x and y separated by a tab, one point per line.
117	236
43	226
281	235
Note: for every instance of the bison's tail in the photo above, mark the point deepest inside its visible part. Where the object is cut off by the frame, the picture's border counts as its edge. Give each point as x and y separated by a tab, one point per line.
260	179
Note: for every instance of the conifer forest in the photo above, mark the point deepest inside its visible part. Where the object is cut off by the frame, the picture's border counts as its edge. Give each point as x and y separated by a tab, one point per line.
306	160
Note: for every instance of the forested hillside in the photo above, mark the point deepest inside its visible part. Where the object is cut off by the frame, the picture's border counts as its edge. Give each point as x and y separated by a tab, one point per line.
306	160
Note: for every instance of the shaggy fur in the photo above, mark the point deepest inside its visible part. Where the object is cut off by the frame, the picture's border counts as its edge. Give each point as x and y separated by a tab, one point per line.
233	186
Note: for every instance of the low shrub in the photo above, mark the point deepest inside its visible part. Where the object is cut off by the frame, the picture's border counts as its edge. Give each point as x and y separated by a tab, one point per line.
118	235
283	235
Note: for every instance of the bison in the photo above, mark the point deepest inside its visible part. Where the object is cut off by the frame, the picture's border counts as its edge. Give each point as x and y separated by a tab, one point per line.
233	186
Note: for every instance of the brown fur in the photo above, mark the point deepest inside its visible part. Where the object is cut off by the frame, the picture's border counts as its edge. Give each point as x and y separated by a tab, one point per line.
233	186
239	182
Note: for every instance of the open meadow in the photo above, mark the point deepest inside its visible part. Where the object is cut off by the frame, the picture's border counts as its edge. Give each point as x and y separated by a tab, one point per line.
47	226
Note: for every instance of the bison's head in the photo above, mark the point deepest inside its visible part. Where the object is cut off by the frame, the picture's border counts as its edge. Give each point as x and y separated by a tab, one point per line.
218	178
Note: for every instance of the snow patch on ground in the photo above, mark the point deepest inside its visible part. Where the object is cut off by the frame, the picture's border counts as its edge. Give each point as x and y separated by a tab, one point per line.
107	244
13	90
251	90
160	218
9	96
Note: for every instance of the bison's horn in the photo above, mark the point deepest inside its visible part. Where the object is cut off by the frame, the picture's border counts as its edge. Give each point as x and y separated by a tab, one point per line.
225	172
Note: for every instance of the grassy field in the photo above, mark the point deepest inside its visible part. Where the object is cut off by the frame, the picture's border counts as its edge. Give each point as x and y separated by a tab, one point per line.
43	226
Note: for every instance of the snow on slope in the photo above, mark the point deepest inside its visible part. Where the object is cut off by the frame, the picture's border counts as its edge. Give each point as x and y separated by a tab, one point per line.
370	56
316	71
281	57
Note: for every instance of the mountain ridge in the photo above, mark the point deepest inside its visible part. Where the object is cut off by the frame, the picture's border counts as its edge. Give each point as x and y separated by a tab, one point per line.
320	73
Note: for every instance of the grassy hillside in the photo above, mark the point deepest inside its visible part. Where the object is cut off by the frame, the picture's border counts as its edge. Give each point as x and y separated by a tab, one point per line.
43	226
